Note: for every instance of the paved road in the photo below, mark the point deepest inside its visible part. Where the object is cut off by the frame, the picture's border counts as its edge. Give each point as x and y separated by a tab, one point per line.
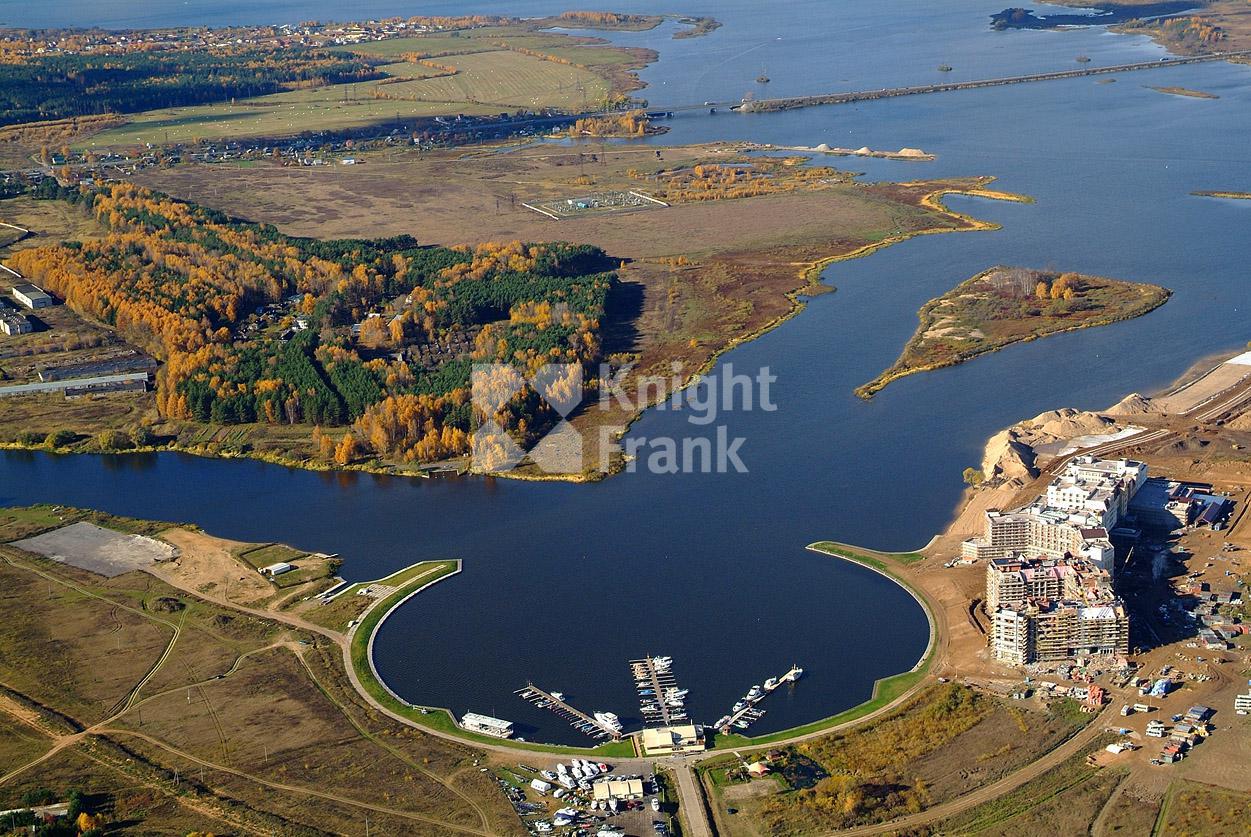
691	801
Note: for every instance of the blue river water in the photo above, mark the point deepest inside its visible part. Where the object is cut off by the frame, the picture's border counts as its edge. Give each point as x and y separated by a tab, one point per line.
562	583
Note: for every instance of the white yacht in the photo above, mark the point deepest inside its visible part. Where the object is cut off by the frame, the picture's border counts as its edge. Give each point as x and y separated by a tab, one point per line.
609	719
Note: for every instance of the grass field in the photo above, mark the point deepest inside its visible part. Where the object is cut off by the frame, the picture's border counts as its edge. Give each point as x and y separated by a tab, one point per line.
257	719
490	79
1194	808
1060	793
944	742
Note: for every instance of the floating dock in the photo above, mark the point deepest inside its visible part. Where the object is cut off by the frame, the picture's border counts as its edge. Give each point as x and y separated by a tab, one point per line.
750	713
653	677
577	719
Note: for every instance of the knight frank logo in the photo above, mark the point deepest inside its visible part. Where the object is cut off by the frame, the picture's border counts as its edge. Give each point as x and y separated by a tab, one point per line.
502	398
494	385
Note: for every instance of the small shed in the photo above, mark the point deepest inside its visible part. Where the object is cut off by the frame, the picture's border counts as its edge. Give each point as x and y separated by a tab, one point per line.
277	569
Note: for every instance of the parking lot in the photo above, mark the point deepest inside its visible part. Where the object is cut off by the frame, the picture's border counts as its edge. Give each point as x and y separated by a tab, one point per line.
99	550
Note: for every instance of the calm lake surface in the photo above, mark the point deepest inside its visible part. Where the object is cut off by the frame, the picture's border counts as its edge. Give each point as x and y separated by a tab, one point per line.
563	584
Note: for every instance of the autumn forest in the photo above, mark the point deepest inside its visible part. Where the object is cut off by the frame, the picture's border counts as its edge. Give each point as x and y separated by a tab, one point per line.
373	338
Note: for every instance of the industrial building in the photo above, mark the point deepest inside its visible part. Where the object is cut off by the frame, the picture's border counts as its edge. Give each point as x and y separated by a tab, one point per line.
13	323
618	789
1169	504
31	296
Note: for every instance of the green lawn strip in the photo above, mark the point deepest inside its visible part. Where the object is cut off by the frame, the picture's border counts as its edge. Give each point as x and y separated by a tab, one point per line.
437	718
877	560
885	691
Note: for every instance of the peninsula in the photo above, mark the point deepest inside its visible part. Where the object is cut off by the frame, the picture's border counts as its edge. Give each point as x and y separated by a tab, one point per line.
1006	305
360	358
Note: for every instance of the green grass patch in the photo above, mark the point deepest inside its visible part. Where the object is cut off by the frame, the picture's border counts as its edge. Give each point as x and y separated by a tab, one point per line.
864	556
273	553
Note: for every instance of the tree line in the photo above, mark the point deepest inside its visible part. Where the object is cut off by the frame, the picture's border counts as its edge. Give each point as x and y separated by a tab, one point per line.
38	88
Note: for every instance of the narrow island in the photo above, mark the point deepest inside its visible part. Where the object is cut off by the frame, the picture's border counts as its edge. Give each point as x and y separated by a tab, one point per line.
1185	91
1222	193
1006	305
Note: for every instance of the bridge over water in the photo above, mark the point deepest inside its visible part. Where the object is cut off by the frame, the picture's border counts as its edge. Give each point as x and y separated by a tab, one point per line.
791	102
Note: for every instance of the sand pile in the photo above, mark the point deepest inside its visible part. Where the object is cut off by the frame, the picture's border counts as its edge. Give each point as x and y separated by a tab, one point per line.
1010	454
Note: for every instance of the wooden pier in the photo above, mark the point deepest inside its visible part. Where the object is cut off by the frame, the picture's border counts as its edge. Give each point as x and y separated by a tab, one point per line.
649	675
577	719
750	713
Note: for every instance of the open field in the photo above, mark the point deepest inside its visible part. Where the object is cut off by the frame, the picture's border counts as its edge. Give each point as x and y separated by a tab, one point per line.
476	72
1002	306
48	222
1071	794
946	741
257	716
1194	808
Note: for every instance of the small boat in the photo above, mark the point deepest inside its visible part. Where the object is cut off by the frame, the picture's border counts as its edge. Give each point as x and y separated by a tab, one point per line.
612	804
676	692
603	768
558	695
740	706
548	775
646	692
944	68
741	724
771	684
1083	59
754	692
655	803
762	79
561	769
722	721
794	674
